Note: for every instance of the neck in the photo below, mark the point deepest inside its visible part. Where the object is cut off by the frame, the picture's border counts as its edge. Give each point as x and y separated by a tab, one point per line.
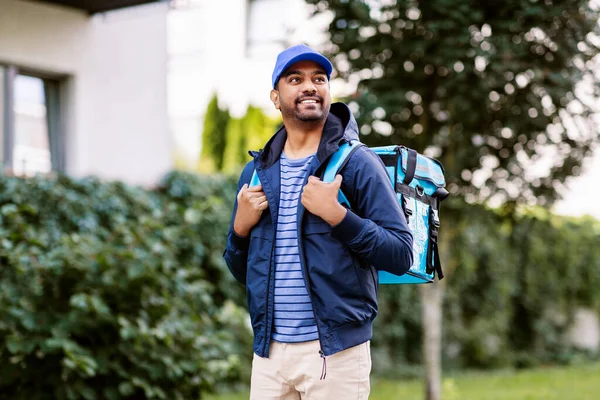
303	138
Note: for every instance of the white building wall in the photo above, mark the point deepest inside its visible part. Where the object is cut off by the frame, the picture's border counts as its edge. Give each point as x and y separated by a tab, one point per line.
117	123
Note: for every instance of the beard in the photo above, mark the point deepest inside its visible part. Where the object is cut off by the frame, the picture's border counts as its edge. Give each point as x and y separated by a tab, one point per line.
310	115
306	113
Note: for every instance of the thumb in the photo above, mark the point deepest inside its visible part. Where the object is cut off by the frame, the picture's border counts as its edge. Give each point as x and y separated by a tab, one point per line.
338	180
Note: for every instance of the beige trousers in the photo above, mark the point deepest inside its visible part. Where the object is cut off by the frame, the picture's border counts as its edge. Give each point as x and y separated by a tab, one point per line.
295	371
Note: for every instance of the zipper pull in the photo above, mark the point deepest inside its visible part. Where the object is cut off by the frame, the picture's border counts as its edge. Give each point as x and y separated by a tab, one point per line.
324	369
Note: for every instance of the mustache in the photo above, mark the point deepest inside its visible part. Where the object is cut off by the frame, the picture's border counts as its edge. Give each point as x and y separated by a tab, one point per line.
312	97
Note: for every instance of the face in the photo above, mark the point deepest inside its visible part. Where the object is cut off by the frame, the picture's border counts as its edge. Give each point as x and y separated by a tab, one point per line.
303	93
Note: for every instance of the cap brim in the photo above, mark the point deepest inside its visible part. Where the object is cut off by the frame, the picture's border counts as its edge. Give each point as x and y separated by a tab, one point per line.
315	57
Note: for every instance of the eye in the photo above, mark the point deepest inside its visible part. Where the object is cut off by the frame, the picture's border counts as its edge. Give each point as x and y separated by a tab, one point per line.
320	79
294	79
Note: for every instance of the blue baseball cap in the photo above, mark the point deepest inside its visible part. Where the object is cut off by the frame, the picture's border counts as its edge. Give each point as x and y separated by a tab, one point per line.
297	53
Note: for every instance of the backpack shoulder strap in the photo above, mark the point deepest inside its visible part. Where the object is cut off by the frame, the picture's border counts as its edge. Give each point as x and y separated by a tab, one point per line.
254	181
337	161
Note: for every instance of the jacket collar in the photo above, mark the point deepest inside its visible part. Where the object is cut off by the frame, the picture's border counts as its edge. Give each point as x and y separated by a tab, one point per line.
340	127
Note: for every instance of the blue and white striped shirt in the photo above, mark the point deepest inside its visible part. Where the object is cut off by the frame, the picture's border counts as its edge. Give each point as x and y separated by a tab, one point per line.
294	317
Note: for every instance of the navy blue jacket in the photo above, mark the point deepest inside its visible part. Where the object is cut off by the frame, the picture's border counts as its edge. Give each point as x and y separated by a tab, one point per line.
339	264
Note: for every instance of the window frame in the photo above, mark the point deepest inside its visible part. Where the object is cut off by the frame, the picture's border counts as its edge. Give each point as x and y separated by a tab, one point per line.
54	88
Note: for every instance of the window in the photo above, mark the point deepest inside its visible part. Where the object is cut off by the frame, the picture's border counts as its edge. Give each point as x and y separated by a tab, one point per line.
30	123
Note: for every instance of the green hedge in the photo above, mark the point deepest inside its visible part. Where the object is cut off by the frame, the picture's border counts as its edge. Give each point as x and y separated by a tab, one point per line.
113	292
511	298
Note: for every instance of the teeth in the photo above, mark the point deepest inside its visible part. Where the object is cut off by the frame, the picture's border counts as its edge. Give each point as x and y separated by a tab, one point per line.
308	101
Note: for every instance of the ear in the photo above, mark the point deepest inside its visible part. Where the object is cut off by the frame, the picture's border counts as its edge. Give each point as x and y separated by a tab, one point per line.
275	98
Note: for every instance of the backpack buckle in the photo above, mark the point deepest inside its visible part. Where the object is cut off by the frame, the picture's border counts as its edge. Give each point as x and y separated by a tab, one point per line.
420	190
407	206
434	218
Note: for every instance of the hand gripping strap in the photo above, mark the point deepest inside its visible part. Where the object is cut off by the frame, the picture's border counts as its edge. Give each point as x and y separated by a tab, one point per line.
337	162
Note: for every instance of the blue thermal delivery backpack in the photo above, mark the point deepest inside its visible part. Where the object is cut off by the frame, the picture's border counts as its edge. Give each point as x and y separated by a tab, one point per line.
420	187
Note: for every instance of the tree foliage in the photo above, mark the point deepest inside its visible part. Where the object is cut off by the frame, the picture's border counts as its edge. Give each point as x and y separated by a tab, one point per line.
249	132
214	136
226	140
501	92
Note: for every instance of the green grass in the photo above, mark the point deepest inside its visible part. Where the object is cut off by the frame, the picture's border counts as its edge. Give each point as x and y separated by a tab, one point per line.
580	382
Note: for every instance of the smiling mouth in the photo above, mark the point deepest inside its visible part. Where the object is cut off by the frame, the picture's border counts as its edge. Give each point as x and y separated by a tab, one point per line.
308	101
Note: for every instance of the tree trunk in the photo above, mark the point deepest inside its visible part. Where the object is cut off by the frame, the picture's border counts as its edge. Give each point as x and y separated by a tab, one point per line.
432	298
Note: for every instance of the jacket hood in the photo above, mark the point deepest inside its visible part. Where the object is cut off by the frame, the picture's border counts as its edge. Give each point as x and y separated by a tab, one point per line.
340	127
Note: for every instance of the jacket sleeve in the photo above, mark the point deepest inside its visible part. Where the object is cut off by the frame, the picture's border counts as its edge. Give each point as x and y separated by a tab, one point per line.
236	250
375	228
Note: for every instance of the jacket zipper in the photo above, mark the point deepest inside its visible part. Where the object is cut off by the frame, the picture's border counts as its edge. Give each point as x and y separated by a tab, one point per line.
307	283
267	321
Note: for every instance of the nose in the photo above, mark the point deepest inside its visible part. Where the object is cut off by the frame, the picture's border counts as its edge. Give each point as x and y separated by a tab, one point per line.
308	86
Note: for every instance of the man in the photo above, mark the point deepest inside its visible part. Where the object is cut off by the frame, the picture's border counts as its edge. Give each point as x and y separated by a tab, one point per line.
309	264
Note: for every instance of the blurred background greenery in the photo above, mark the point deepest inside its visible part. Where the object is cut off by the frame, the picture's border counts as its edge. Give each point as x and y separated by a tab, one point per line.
114	291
